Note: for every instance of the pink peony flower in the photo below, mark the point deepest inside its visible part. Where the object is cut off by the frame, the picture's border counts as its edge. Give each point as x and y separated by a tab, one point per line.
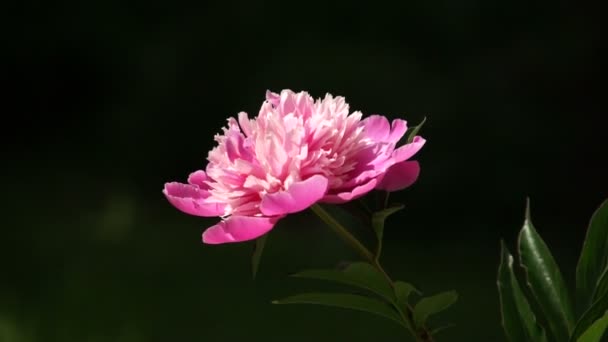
295	153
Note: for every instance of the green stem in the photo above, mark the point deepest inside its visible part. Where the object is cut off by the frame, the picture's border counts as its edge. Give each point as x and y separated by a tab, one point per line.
342	232
386	197
423	335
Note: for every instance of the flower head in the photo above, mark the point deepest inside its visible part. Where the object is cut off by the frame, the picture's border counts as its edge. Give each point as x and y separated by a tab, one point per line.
295	153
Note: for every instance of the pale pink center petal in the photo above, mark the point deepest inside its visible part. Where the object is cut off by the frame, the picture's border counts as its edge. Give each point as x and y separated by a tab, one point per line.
273	98
293	138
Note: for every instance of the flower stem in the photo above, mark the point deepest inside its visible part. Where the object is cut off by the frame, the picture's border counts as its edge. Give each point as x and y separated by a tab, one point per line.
342	232
422	334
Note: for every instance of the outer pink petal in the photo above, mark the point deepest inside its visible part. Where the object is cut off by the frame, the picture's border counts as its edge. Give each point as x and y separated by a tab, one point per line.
191	200
400	176
398	129
408	150
198	178
239	228
347	196
377	127
298	197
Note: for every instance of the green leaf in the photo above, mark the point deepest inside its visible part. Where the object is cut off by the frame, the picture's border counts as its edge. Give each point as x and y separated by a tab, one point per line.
442	328
403	291
594	256
347	301
428	306
518	319
358	274
378	219
257	253
415	131
602	286
545	280
595	312
595	331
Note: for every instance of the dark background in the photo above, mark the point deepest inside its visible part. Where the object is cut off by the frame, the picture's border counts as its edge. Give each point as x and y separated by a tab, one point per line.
107	100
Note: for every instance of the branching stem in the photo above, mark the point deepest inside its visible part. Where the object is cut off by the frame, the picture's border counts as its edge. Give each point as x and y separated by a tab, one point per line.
421	334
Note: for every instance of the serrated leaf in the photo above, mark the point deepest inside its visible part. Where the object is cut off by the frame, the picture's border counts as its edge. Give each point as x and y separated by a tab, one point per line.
595	331
358	274
260	243
518	319
347	301
428	306
403	291
378	220
545	280
594	256
595	312
415	131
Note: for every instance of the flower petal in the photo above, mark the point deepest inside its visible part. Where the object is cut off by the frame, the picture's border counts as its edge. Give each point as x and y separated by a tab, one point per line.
400	176
239	228
355	193
408	150
377	127
273	98
398	129
191	200
198	178
298	197
245	124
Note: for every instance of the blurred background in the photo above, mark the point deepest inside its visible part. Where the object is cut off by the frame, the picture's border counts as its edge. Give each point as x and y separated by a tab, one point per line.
108	100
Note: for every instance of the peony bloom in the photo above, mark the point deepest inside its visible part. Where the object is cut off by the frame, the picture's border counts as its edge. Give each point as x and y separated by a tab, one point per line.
295	153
